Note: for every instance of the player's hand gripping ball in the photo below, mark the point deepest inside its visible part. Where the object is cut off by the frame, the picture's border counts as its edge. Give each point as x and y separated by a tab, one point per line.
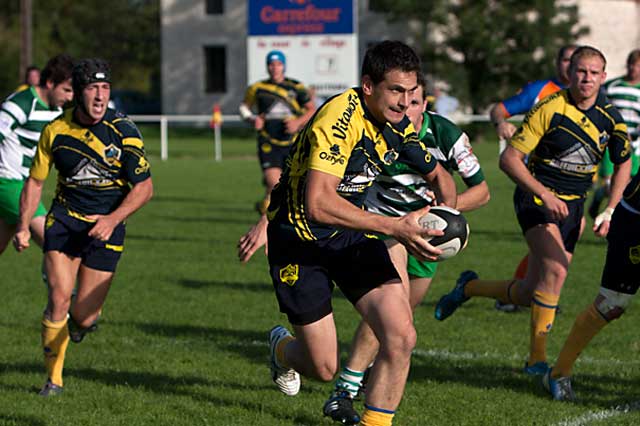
454	226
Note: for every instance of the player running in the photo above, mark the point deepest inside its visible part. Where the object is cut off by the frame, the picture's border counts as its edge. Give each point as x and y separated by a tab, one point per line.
395	192
23	115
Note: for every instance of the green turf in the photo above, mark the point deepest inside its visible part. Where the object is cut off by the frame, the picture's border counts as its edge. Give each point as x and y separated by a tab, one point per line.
183	337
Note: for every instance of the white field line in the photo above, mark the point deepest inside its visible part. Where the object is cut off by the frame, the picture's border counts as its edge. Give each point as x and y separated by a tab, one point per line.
449	355
594	416
456	356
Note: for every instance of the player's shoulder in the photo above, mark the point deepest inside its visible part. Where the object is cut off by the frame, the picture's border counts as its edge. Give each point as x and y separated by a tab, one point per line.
605	103
442	122
22	100
552	102
122	123
617	81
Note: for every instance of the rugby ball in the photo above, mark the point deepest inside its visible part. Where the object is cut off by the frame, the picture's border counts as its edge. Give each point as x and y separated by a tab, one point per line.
454	225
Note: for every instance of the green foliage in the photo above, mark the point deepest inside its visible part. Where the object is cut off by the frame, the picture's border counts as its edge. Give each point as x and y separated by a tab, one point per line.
182	340
487	49
124	32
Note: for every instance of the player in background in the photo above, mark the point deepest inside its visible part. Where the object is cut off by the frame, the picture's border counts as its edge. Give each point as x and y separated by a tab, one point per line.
282	107
397	191
624	93
31	78
103	178
521	103
620	281
23	115
564	136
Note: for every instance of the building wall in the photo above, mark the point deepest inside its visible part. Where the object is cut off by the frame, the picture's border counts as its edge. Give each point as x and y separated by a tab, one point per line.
187	29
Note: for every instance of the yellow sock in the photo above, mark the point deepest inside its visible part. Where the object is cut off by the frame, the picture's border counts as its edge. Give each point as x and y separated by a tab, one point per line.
543	312
373	416
587	325
498	290
55	338
280	358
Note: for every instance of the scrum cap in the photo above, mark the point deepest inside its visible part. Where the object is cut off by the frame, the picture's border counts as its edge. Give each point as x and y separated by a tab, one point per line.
276	55
88	71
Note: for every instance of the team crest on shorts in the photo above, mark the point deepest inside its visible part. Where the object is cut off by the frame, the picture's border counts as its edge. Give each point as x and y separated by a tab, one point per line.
634	254
289	274
50	220
266	148
112	153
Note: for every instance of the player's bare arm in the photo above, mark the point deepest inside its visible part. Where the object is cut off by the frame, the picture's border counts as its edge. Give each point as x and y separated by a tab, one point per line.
324	205
512	163
139	195
619	181
443	184
29	199
473	197
294	125
504	129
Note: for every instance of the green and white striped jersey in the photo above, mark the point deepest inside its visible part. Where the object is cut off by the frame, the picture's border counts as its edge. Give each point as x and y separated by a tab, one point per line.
23	115
626	98
399	190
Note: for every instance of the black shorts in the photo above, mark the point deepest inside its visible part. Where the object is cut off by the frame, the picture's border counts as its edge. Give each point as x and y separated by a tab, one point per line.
69	235
271	155
304	273
622	267
531	212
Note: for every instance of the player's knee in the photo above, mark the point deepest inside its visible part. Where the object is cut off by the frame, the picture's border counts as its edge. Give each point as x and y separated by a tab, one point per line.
612	304
401	343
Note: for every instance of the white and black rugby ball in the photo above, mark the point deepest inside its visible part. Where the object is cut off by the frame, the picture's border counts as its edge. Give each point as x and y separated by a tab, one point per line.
454	225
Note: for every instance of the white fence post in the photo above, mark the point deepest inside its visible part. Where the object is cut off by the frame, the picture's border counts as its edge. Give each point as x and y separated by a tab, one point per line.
164	139
217	143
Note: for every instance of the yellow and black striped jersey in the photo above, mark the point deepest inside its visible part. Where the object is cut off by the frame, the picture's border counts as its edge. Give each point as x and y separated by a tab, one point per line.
342	139
565	144
277	102
96	164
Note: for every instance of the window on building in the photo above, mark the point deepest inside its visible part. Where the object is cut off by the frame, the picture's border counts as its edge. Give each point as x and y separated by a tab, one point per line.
215	7
215	58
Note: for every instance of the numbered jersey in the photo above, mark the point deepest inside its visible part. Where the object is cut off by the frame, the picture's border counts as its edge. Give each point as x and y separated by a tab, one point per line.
22	117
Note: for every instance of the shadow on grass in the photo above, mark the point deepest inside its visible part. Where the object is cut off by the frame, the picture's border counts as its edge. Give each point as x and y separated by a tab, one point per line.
20	420
505	376
163	384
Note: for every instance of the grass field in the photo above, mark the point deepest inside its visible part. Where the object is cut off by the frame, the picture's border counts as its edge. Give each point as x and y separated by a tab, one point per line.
183	337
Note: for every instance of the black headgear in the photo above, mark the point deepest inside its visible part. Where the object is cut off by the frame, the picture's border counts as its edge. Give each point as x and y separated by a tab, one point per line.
88	71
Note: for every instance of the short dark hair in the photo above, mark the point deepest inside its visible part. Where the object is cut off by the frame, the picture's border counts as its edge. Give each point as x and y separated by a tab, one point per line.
58	69
633	57
587	52
386	56
422	82
563	50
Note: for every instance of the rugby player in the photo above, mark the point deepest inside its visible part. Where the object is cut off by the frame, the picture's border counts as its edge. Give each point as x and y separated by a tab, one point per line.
103	178
317	228
397	191
31	78
620	281
624	93
22	117
521	103
564	136
283	106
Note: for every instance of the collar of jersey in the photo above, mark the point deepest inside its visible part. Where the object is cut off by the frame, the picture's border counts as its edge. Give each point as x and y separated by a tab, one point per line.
425	125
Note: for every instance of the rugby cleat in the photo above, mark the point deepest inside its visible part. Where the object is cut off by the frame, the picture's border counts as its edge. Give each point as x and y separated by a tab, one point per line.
77	333
287	379
49	389
339	407
560	388
538	369
455	298
506	307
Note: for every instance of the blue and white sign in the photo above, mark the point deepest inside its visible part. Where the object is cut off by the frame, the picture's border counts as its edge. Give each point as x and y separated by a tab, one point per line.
295	17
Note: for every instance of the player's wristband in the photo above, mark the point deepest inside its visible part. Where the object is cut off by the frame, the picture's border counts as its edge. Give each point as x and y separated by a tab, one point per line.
605	215
246	113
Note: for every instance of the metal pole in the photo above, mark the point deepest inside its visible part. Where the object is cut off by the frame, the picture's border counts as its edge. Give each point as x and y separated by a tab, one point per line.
164	140
217	143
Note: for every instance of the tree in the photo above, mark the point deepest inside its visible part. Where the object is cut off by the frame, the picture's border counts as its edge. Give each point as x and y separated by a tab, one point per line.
124	32
488	48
